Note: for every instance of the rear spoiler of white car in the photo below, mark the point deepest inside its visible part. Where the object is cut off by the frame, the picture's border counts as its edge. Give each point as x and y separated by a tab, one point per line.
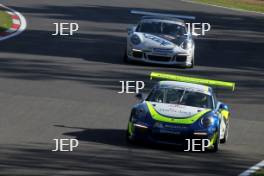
162	15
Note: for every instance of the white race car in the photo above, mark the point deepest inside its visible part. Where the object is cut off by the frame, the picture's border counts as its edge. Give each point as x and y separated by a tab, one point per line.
160	40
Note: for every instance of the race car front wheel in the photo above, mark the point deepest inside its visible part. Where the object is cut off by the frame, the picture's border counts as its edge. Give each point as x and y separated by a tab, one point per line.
125	58
216	143
130	131
130	139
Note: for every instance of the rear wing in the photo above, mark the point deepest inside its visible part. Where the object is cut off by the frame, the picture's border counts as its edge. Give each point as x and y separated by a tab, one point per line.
215	83
162	15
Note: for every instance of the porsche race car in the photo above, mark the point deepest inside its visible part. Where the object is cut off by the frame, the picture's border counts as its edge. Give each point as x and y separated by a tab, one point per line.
160	39
180	108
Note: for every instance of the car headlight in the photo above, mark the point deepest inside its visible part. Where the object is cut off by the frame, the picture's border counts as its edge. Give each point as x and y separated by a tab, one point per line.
135	39
187	44
207	120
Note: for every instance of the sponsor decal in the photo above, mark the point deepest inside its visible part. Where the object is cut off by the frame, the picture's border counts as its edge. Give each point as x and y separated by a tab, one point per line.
172	110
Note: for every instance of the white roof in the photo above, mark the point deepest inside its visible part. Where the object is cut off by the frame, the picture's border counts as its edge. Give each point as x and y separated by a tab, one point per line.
164	21
184	85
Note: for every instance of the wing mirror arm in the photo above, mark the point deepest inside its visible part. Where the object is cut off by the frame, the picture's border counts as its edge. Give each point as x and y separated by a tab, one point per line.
131	29
139	96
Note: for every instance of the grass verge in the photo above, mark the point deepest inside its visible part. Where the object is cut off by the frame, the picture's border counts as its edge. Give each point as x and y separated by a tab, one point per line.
251	5
5	21
259	173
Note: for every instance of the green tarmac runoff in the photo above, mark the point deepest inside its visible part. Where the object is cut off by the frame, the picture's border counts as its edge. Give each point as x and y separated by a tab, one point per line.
249	5
5	21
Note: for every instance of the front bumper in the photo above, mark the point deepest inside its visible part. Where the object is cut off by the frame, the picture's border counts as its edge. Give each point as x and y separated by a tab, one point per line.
181	59
172	135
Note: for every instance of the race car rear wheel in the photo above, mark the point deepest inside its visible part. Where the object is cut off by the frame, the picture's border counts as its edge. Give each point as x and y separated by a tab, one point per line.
224	140
192	62
192	65
216	147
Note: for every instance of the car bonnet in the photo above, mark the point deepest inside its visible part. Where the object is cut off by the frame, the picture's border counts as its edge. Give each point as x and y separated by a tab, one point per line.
174	110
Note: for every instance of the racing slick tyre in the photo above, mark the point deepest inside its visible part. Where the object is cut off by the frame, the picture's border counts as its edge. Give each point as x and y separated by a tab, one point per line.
216	144
224	140
192	65
129	139
216	147
125	58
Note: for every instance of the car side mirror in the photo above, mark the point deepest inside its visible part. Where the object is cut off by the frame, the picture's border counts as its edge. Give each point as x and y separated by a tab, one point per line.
188	34
223	106
139	96
130	29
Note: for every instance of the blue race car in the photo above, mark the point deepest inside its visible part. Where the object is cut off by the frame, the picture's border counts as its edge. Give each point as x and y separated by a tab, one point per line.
180	108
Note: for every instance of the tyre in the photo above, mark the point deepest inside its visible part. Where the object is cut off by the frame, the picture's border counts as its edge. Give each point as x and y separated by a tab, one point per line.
125	57
216	147
191	66
216	144
224	140
130	139
192	60
129	135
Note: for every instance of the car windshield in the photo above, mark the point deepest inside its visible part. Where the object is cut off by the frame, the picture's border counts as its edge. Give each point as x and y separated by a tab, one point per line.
180	96
153	27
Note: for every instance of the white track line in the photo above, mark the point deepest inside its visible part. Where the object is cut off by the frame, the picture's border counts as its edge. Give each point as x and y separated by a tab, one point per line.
253	169
23	23
228	8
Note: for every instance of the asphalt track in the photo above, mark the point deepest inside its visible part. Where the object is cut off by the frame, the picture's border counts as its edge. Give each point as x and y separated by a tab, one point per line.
66	87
